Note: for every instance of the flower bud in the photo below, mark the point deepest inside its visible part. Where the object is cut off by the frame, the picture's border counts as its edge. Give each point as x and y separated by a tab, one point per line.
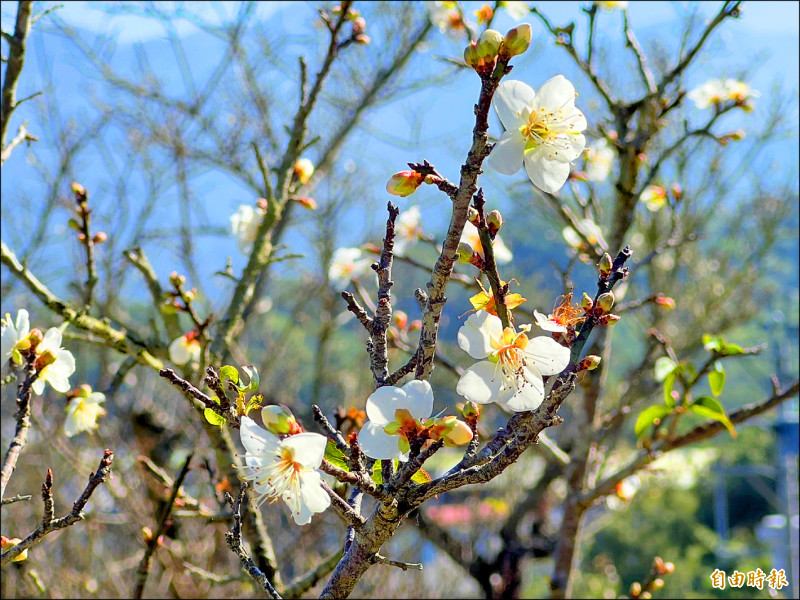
303	170
636	589
459	435
99	237
34	338
494	221
362	39
262	204
517	40
489	45
359	25
609	320
7	543
657	584
605	301
279	420
471	410
83	391
590	363
81	195
646	595
605	265
464	253
400	319
669	568
415	325
176	280
404	183
664	301
586	302
677	191
307	203
471	56
658	564
45	359
473	216
371	248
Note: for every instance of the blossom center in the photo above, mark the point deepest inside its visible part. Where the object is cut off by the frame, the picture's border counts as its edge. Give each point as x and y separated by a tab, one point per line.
509	352
564	313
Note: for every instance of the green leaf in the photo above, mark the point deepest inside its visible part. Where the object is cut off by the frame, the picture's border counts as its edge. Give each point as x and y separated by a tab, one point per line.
664	366
712	343
731	350
376	475
669	382
647	417
716	379
421	476
214	417
228	373
335	456
254	402
255	379
710	408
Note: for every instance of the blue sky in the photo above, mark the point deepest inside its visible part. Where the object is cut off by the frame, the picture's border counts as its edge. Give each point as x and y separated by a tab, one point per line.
765	31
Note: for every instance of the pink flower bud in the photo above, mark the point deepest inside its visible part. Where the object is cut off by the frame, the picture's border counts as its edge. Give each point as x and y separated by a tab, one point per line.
404	183
400	319
99	237
307	203
664	301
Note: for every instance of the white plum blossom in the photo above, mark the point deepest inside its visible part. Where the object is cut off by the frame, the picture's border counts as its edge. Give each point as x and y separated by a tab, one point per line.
14	332
244	225
516	10
599	160
654	197
543	131
83	411
548	323
286	469
716	91
564	315
185	348
414	401
446	16
611	5
407	229
54	364
470	235
591	232
511	366
348	264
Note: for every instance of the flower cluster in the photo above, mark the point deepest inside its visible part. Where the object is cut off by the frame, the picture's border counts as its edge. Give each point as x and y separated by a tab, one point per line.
400	417
715	92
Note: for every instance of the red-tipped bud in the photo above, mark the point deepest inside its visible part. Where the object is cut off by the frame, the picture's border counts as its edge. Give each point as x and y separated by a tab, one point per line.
371	248
262	204
605	302
359	25
404	183
677	191
517	40
590	363
669	568
307	203
34	338
176	280
658	583
664	301
363	39
279	420
636	589
415	325
99	237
